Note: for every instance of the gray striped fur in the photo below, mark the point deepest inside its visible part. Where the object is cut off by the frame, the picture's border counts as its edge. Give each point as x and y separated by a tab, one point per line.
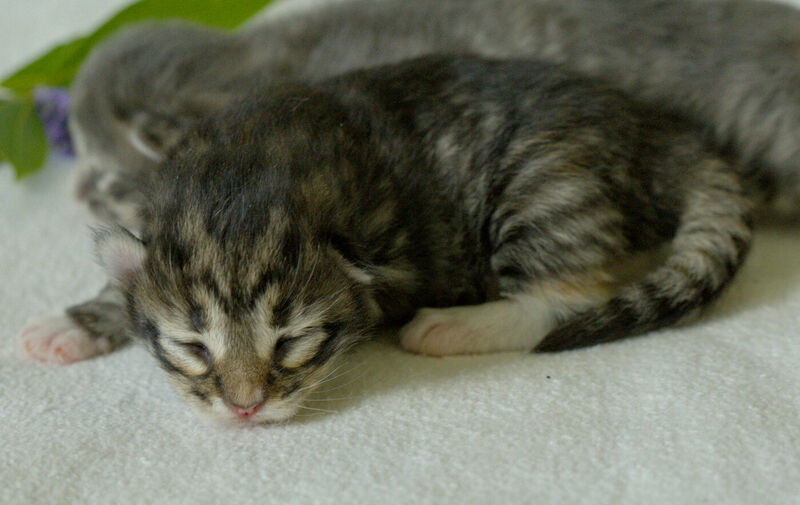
304	217
731	66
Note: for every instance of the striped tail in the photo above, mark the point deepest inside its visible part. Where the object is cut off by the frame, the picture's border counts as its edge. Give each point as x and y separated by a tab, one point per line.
709	245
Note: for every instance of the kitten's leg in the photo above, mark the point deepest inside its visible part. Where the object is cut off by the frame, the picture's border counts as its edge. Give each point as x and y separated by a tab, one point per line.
516	323
553	233
94	327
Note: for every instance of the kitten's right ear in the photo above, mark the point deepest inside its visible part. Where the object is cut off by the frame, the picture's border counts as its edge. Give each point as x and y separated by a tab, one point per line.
120	253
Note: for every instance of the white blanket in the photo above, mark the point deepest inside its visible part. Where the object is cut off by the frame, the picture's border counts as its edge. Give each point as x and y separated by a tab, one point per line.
707	413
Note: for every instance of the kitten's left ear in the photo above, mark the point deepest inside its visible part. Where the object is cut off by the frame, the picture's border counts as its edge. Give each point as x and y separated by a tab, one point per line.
345	252
120	253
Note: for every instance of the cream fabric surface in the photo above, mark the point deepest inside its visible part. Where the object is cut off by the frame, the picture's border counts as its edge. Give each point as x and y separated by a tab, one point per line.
707	413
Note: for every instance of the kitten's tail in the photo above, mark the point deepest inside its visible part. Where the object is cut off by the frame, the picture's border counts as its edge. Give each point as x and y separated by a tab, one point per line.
710	243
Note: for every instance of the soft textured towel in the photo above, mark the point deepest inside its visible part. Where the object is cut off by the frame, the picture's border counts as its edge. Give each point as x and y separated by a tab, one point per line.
706	413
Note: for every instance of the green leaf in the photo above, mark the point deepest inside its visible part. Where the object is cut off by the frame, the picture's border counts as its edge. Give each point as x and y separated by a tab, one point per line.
58	66
22	139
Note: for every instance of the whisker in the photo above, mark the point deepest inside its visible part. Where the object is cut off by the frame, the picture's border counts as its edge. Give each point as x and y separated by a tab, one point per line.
320	393
310	414
314	263
330	379
333	399
320	381
317	409
343	384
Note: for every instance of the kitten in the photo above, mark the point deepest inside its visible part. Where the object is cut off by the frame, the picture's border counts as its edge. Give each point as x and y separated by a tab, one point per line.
496	196
729	65
732	66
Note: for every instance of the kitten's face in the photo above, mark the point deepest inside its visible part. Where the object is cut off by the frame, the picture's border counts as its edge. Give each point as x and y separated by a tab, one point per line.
241	341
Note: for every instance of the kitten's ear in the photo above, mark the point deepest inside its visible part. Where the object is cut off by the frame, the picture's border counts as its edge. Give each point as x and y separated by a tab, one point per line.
120	253
357	273
346	254
153	136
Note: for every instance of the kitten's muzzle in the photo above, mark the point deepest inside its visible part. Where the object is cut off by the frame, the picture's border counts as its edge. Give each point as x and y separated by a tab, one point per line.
242	398
244	412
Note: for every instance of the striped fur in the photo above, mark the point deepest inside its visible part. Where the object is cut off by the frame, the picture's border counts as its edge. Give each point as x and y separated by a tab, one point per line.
140	91
730	65
710	244
494	196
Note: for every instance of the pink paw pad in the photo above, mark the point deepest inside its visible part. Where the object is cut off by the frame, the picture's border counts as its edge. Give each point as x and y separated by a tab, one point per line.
57	339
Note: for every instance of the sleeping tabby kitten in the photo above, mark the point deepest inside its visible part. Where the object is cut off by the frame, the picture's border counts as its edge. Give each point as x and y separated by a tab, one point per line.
731	65
497	197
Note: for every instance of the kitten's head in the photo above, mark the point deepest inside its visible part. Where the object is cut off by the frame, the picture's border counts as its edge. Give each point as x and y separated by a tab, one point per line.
244	332
249	281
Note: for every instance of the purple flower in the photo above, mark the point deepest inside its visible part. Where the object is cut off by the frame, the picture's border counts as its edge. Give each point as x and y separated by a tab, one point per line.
52	104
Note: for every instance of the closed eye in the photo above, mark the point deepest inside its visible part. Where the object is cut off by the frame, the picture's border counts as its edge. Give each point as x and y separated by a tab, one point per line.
190	358
282	347
294	352
199	350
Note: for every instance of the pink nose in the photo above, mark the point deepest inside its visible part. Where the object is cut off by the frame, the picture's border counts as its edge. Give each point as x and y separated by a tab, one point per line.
246	412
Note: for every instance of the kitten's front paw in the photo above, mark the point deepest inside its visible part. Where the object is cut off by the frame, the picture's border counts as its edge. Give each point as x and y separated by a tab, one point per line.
57	339
437	332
